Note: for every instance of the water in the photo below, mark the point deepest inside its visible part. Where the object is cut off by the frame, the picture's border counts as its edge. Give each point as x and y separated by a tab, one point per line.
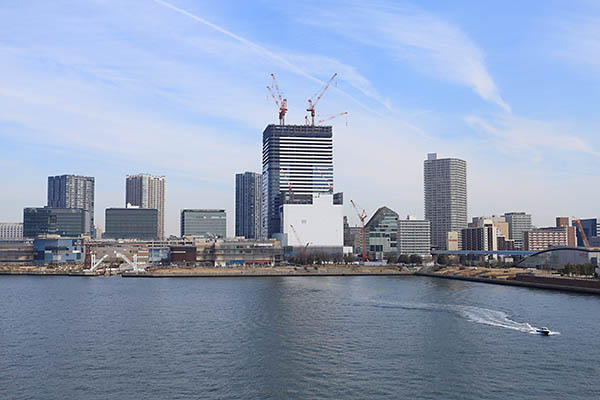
293	338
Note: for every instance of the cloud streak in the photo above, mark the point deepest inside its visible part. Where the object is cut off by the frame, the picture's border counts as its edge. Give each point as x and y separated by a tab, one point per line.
426	41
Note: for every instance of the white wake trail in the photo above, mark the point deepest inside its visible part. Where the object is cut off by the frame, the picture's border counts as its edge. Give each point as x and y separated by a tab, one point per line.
478	315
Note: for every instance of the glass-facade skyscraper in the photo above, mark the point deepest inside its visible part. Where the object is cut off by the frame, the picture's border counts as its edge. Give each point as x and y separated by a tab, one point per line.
73	191
445	198
205	223
297	163
248	195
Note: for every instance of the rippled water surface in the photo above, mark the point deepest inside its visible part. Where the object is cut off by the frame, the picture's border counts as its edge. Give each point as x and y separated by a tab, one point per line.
293	338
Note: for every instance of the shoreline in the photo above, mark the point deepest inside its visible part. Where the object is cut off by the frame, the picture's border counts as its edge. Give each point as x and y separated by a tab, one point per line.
512	282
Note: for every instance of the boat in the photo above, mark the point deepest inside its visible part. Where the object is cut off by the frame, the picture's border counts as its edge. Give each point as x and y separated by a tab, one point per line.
543	331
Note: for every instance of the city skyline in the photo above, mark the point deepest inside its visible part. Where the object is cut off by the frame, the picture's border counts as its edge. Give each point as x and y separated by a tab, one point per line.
125	105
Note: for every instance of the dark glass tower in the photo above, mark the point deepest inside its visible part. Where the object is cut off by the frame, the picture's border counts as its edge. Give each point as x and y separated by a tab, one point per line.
248	195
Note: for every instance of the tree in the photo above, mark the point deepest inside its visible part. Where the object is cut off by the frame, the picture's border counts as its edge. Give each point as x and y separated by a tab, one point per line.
403	259
416	259
442	259
391	258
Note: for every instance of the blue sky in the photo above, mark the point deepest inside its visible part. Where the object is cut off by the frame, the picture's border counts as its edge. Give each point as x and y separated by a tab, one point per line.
177	88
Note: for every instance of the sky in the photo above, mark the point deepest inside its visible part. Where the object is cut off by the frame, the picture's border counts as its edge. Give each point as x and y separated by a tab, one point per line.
107	88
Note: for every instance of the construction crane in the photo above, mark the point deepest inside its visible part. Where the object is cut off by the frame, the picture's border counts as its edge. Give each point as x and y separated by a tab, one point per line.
290	187
362	216
329	118
95	264
134	265
304	246
325	178
582	233
279	100
312	102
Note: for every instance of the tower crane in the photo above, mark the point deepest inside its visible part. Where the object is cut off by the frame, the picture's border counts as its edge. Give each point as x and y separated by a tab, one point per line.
312	102
290	187
304	246
329	118
362	216
279	100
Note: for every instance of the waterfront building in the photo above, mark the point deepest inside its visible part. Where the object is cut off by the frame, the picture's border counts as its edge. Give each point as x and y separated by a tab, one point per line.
248	195
297	164
58	250
238	252
73	191
69	222
543	238
381	233
518	224
445	182
558	257
413	237
591	227
131	223
147	191
11	231
16	251
204	222
318	224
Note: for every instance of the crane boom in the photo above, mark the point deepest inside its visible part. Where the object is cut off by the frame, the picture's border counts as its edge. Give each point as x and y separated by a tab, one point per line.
312	102
582	233
329	118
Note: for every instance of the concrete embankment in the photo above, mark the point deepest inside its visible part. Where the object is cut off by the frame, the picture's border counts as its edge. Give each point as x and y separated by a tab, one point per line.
562	284
266	272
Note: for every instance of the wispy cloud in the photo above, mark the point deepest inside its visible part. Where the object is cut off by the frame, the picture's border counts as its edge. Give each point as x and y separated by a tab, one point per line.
426	41
517	134
578	39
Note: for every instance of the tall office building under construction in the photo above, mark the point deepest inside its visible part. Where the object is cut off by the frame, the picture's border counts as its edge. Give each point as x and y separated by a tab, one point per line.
298	186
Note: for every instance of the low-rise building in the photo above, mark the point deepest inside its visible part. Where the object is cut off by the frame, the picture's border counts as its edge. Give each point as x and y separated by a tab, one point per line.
11	231
238	252
54	249
543	238
131	223
66	222
16	252
204	223
414	236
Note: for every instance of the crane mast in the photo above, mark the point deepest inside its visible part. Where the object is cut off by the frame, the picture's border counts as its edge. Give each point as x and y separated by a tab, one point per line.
312	102
362	216
279	100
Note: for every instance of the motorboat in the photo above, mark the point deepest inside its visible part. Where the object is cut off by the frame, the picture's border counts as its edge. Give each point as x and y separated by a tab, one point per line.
543	331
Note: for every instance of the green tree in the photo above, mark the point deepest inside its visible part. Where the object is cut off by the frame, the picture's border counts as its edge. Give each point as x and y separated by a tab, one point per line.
442	259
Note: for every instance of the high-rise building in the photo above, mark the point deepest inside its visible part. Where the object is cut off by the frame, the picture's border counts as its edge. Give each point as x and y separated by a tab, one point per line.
518	224
571	236
73	191
147	191
591	227
248	195
445	197
297	164
11	231
207	223
381	233
131	223
67	222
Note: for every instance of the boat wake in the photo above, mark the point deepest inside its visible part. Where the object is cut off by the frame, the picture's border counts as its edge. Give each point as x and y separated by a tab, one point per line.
478	315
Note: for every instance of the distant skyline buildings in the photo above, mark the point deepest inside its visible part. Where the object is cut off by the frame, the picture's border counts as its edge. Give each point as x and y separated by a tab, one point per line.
131	223
147	191
445	192
248	207
518	224
11	230
67	222
73	191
